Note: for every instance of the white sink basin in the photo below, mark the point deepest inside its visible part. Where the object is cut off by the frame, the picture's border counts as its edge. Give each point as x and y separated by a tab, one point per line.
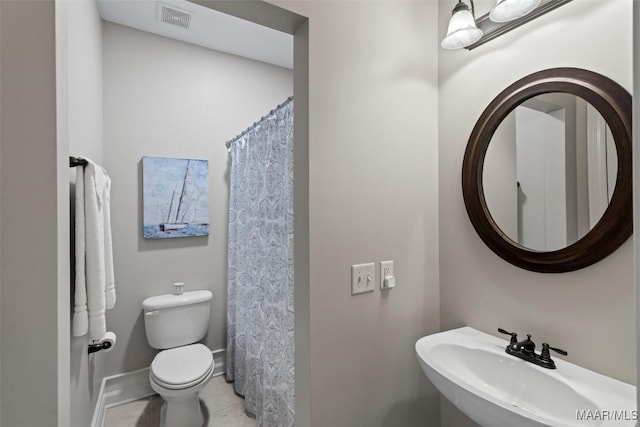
495	389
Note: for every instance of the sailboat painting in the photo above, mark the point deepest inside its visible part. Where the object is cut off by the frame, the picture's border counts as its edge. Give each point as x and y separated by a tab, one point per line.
175	197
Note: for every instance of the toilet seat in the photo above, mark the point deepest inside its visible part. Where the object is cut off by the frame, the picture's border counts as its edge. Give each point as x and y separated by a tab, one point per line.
178	387
182	367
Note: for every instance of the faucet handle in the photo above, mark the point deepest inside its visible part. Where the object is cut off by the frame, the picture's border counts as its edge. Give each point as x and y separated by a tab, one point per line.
514	336
547	355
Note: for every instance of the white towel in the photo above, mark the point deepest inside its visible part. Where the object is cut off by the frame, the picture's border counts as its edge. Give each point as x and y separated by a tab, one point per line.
80	318
95	287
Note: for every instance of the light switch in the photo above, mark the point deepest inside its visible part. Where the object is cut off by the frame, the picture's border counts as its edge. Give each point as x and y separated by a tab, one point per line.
387	279
363	278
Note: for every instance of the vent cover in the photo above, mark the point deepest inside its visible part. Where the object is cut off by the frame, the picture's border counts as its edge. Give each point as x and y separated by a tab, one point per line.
174	16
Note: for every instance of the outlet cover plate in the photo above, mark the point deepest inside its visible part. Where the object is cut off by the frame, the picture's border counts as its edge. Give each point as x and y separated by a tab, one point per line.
386	269
363	278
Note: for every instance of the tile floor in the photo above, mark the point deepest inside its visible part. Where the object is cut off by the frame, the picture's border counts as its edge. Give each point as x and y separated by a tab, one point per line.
220	405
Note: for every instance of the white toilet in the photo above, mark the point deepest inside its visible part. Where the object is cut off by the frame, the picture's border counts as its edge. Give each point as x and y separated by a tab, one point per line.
173	322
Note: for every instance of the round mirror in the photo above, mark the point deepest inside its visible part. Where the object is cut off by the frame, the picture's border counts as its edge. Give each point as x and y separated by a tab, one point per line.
547	170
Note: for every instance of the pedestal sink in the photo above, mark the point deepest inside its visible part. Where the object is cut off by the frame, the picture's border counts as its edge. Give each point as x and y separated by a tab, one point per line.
471	369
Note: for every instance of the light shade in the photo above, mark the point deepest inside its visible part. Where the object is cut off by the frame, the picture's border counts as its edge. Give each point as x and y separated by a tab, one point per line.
462	30
508	10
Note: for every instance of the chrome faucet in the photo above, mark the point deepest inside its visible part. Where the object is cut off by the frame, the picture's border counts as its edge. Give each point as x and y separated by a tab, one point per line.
526	350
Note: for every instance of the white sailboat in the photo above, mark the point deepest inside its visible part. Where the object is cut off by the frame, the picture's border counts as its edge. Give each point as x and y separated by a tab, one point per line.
182	206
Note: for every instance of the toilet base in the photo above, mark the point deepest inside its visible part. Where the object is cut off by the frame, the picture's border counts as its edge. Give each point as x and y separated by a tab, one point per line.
181	407
181	413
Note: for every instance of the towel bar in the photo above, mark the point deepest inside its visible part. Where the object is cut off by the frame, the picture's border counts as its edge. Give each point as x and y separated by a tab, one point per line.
75	161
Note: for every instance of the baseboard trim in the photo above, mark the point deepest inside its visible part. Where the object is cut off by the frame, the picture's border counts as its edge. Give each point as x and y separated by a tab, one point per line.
99	412
129	386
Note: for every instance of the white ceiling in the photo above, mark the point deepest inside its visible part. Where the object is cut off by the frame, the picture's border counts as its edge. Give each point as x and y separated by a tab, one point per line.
208	28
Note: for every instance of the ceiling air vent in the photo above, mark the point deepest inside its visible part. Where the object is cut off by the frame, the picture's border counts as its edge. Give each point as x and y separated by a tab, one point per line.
174	16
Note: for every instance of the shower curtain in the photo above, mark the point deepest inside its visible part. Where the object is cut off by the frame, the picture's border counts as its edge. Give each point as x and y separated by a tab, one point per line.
260	340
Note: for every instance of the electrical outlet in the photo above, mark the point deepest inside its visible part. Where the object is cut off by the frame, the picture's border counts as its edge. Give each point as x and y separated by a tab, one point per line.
363	278
387	279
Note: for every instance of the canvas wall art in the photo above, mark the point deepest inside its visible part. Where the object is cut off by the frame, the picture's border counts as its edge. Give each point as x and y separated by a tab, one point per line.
175	197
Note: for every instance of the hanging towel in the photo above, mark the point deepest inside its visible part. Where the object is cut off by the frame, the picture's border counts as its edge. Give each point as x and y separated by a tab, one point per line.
80	323
95	286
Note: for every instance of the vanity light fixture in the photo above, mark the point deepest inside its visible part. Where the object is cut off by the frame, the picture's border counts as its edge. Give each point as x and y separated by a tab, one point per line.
466	31
508	10
462	30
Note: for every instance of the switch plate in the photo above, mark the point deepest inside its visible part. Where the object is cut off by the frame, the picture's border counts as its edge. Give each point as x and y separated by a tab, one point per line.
363	278
386	269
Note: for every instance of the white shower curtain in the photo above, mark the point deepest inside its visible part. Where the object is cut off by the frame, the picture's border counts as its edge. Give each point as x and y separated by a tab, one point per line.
260	340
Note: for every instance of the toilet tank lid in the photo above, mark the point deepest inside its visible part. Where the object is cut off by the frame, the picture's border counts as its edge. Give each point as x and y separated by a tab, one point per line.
170	300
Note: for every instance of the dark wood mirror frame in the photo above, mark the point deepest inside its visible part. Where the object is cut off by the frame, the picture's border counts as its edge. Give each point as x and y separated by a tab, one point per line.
613	102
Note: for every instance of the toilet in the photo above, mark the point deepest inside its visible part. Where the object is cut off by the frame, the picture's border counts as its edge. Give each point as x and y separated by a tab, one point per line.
174	323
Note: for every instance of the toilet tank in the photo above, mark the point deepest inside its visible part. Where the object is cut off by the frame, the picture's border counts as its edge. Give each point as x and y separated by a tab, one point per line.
176	320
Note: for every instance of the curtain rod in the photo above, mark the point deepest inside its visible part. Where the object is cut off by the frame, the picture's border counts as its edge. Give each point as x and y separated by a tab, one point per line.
250	128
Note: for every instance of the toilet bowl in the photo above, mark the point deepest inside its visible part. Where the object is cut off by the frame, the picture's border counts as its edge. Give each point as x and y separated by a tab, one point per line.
178	375
173	324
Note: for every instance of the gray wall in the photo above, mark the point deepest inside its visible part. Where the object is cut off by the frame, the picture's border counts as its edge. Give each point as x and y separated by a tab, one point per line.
35	340
587	312
170	99
80	122
372	197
